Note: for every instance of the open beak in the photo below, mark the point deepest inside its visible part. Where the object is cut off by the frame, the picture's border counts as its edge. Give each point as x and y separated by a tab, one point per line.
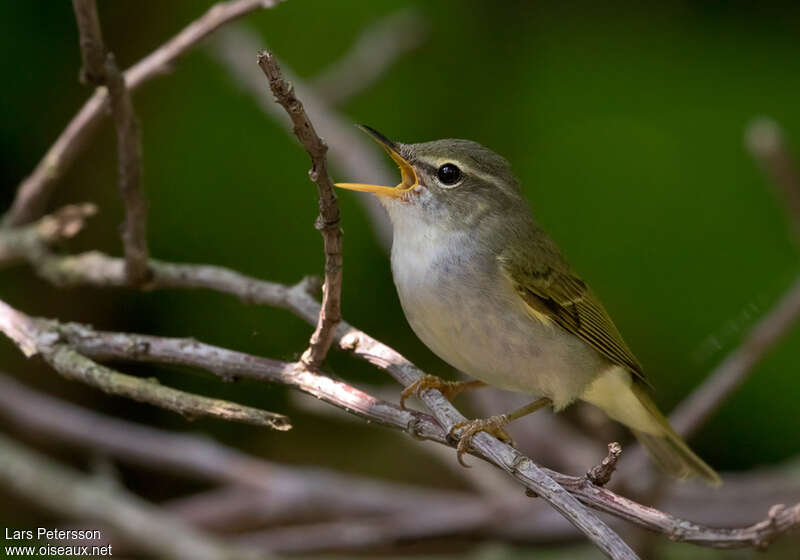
408	175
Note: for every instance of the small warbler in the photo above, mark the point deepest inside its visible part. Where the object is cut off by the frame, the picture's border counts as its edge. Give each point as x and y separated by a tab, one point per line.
488	291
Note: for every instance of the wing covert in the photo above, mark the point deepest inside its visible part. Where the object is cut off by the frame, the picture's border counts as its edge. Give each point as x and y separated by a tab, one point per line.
554	291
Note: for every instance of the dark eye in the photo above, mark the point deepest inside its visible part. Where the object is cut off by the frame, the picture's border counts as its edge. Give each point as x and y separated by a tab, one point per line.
449	174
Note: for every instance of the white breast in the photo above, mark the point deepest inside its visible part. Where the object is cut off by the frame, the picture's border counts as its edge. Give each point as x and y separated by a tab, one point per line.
462	307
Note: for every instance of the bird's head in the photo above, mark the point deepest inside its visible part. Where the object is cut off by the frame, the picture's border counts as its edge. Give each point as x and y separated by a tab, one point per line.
452	183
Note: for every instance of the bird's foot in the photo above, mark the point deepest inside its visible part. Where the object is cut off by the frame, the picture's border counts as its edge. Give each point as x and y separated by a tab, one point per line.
492	425
450	389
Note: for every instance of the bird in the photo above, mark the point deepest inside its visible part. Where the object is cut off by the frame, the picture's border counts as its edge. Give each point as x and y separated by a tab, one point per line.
488	291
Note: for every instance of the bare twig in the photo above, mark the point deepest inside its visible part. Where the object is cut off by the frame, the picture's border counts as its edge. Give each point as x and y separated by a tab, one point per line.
328	221
350	152
273	493
93	52
66	492
505	456
100	68
226	362
100	270
34	336
134	231
600	474
376	49
35	190
231	364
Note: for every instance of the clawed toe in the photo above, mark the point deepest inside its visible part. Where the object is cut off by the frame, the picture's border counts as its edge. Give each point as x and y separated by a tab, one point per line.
450	389
492	425
424	382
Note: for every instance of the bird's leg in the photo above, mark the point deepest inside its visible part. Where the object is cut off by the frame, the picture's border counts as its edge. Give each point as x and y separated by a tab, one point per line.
493	425
450	389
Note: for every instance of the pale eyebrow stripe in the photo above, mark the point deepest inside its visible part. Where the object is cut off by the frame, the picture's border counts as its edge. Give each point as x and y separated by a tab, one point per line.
468	169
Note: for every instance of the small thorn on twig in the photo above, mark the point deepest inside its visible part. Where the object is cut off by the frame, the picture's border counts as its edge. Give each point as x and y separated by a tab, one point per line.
600	475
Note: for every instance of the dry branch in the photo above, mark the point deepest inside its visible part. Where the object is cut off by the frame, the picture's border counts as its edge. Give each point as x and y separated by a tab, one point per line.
67	492
34	191
287	494
34	336
327	222
226	362
600	474
100	68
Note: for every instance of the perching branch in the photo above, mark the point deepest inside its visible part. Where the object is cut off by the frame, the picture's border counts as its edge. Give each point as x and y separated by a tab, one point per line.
227	363
100	68
271	493
35	336
328	220
33	193
67	492
93	51
600	475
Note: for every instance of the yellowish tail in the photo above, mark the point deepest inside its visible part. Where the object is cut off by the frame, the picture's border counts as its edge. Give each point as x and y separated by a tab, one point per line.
626	401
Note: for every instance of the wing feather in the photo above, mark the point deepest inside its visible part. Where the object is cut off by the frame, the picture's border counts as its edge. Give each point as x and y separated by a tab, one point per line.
556	292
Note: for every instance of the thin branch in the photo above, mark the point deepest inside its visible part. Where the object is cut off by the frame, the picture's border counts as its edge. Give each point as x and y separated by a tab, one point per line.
67	492
93	52
35	190
229	364
600	474
100	68
225	362
375	50
34	336
100	270
328	220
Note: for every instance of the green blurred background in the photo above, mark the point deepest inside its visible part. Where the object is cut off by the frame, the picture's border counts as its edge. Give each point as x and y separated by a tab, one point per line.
624	122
